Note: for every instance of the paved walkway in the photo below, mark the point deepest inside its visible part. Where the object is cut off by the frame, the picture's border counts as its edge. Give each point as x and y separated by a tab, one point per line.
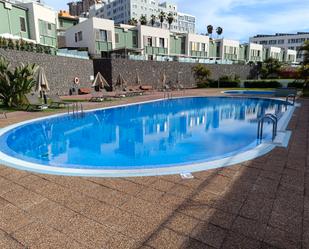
262	203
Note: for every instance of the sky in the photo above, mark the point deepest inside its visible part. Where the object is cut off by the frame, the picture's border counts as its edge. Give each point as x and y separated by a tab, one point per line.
241	19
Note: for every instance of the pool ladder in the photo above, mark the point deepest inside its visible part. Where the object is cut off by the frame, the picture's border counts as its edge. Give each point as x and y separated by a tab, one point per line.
267	117
293	96
77	109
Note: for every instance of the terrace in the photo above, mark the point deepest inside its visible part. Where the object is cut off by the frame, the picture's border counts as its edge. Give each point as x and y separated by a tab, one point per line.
261	203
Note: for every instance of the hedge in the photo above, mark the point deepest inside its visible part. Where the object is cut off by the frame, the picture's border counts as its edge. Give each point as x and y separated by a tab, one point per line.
262	84
295	84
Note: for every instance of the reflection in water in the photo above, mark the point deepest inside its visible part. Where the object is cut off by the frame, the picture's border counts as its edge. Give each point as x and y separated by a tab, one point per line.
159	133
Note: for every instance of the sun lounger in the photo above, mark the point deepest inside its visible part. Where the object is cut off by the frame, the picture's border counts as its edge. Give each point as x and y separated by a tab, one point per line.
34	103
56	101
100	96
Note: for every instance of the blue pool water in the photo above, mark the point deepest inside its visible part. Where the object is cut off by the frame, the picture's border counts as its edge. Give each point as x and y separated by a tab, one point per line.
249	92
156	134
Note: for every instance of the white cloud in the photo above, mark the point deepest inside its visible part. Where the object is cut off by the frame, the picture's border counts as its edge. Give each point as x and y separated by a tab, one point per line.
243	18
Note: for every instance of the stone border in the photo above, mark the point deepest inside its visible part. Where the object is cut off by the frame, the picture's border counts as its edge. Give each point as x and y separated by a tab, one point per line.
258	151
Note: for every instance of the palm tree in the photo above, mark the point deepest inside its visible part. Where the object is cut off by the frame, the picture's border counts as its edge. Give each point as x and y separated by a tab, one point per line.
133	21
143	20
210	29
170	19
219	31
153	19
162	17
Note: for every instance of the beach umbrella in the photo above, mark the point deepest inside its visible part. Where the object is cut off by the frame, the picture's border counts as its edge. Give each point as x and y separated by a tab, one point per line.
121	83
163	80
100	82
41	82
138	79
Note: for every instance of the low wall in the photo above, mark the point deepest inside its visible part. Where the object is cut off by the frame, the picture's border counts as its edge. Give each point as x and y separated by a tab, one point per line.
60	71
150	71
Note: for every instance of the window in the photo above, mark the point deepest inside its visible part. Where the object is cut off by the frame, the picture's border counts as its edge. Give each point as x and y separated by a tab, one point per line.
22	24
76	37
161	42
117	38
102	35
80	36
49	26
149	41
61	23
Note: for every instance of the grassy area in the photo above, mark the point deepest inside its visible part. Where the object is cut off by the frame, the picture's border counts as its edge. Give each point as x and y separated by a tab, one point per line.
75	100
250	89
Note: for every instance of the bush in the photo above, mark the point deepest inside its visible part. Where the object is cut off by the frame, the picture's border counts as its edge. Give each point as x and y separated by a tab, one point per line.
226	82
201	75
262	84
297	84
14	84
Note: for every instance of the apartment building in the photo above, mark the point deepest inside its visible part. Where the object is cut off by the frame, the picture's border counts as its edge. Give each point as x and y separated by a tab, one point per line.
284	41
121	11
14	20
77	8
103	38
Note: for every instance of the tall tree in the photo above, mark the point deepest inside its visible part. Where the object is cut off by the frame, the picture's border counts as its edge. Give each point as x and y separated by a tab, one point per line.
153	19
162	17
143	20
170	19
210	30
133	21
219	31
304	69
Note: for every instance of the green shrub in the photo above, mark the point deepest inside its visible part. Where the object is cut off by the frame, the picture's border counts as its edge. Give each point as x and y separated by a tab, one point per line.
226	82
201	75
262	84
297	84
14	84
10	44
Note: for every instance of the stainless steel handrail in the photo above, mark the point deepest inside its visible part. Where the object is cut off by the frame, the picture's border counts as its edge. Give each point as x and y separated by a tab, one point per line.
290	96
271	117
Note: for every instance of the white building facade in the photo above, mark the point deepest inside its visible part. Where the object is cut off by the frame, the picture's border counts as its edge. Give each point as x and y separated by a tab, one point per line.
284	41
121	11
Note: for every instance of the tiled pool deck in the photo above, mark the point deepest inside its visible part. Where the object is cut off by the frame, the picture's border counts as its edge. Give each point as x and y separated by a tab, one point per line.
262	203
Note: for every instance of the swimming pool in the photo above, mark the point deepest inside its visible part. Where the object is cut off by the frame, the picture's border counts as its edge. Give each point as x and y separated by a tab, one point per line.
249	92
152	138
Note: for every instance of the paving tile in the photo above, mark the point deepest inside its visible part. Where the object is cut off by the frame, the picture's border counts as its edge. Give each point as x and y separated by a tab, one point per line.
281	239
166	239
87	232
38	236
238	241
12	218
23	198
162	185
146	209
228	206
206	197
180	191
181	223
122	186
51	214
7	186
220	218
150	194
195	210
257	208
209	234
195	244
170	200
9	242
249	228
130	225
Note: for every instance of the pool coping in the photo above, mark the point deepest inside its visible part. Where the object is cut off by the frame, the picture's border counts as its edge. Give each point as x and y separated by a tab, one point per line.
258	151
